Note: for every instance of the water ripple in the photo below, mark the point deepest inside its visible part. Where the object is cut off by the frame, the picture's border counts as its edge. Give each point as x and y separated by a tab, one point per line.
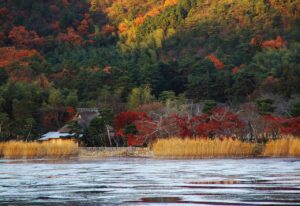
130	181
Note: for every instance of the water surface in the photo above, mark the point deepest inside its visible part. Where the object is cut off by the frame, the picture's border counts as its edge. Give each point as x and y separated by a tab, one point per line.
138	181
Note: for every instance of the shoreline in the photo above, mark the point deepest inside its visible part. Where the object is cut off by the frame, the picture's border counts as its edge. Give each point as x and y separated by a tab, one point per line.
101	153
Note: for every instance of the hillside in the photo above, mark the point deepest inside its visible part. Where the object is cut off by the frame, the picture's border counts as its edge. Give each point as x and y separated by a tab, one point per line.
61	54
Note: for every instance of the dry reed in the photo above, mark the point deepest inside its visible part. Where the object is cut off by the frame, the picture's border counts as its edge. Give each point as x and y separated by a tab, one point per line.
202	148
285	147
17	149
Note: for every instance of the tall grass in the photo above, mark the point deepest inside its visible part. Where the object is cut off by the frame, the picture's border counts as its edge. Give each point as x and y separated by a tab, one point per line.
285	147
17	149
202	148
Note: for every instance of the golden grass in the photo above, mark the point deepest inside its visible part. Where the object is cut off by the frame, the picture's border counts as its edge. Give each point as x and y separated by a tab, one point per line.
202	148
285	147
17	149
1	149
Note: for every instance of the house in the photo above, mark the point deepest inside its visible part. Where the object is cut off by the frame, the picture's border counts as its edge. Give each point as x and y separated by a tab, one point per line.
58	136
84	116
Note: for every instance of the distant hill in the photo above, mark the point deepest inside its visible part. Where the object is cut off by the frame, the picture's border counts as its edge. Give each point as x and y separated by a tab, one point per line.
91	52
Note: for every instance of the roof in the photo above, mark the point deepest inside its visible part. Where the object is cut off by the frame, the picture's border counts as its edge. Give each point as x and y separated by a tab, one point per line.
65	129
87	110
56	135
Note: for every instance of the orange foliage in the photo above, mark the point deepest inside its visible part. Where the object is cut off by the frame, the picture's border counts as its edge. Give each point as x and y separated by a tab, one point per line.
170	2
256	41
107	69
218	64
24	38
139	20
122	27
151	13
236	69
44	83
154	12
253	42
10	55
277	43
108	29
71	37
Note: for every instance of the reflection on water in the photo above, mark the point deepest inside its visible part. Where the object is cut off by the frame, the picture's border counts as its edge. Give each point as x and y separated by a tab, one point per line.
129	181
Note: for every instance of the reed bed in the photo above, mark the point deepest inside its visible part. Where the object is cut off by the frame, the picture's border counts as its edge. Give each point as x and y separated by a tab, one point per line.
17	149
202	148
285	147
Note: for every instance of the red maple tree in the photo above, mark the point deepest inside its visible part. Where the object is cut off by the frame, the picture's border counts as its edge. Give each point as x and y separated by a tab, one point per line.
21	37
277	43
217	62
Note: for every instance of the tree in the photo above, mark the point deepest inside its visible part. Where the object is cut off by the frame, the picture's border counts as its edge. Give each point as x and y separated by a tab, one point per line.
28	127
124	119
278	43
75	128
21	37
217	62
4	125
139	96
23	116
209	105
295	110
167	95
71	36
94	5
55	97
291	126
3	76
96	135
72	99
265	106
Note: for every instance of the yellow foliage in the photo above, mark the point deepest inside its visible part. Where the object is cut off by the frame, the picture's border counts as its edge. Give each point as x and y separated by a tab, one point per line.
201	148
17	149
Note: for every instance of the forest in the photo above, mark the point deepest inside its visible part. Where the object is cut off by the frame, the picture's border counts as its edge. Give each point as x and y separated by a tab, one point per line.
154	68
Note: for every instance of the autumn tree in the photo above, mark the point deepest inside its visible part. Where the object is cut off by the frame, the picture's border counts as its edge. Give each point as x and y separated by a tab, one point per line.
218	64
71	36
23	38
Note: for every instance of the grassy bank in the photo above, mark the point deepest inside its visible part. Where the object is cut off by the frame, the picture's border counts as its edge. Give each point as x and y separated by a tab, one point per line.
17	149
286	147
202	148
168	148
206	148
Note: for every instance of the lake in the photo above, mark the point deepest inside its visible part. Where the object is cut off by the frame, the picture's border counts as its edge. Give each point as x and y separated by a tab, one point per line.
142	181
